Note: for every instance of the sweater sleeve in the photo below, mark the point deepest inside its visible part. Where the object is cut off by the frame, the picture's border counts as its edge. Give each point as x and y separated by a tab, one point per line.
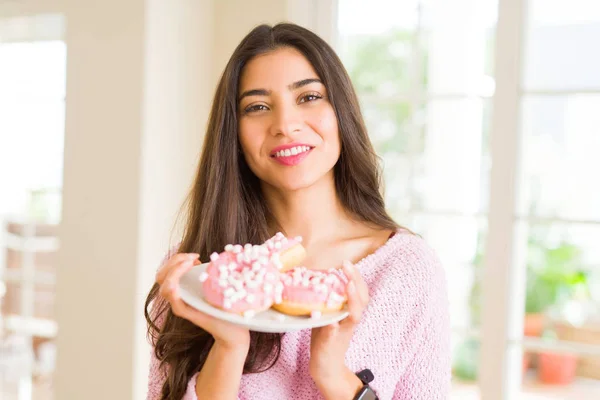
157	374
427	376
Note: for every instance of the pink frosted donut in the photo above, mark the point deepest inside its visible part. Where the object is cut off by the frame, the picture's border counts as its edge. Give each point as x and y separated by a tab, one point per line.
312	292
285	253
241	280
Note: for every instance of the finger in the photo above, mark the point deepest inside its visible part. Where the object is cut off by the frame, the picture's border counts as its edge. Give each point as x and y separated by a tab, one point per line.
355	304
182	310
354	275
349	269
170	284
173	262
363	291
177	258
171	293
169	264
175	274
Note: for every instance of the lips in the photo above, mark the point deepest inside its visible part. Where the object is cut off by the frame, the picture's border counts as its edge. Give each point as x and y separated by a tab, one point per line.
291	155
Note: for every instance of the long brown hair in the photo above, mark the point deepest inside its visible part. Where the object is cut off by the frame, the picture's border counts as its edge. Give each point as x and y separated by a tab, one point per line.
226	205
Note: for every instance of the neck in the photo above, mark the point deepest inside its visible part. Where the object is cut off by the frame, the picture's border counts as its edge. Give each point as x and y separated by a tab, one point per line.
315	212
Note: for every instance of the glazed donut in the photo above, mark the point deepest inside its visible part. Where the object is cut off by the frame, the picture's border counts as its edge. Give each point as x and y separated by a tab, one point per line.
311	292
245	279
286	253
242	279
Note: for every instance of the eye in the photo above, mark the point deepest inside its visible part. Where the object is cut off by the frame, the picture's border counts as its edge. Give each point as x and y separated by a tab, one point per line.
255	108
310	97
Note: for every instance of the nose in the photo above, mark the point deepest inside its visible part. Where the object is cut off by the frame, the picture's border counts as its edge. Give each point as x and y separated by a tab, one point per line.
287	120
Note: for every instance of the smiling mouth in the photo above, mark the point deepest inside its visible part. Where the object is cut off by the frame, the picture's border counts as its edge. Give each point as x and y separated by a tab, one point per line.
294	151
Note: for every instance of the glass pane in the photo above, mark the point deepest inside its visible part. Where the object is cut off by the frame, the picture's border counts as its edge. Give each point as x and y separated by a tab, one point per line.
376	16
32	91
560	162
561	12
562	43
450	166
420	148
458	43
376	42
437	46
33	70
389	125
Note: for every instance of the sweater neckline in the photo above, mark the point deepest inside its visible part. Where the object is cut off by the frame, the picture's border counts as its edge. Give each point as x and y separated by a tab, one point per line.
381	252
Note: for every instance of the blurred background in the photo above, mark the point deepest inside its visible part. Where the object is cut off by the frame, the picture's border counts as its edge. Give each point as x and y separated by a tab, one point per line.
486	114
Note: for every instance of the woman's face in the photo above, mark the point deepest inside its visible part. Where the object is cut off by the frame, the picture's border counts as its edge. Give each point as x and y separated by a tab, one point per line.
287	127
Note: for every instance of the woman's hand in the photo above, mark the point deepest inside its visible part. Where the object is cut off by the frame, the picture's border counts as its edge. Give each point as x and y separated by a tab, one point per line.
226	335
329	344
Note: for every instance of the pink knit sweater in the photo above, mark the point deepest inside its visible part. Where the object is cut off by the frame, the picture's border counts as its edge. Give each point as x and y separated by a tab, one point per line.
403	337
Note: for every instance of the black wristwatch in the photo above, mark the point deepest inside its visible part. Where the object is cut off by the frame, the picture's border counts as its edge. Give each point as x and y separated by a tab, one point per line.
366	393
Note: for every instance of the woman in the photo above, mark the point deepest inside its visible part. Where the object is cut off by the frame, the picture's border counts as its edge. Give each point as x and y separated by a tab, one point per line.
284	88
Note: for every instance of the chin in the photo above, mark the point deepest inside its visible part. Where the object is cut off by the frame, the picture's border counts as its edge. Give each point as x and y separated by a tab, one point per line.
293	185
298	180
293	179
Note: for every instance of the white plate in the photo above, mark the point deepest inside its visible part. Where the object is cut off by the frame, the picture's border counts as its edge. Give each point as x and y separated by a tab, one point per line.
190	290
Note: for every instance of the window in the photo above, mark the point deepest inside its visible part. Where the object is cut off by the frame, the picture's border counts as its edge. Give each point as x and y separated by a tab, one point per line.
424	73
557	215
32	111
32	108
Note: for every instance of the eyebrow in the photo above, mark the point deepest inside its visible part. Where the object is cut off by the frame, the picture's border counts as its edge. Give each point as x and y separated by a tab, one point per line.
303	82
265	92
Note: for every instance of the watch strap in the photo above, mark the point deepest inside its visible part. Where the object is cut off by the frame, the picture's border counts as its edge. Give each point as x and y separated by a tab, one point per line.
365	376
366	393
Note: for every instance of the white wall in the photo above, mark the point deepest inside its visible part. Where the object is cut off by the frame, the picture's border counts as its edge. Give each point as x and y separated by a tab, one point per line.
138	78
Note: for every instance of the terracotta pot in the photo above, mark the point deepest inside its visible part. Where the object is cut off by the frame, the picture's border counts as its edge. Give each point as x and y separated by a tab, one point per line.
556	369
534	324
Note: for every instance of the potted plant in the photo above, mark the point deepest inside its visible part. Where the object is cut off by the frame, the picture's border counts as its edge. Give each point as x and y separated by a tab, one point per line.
554	276
556	368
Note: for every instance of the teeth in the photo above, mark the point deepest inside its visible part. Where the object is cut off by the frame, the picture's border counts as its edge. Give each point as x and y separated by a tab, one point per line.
292	152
